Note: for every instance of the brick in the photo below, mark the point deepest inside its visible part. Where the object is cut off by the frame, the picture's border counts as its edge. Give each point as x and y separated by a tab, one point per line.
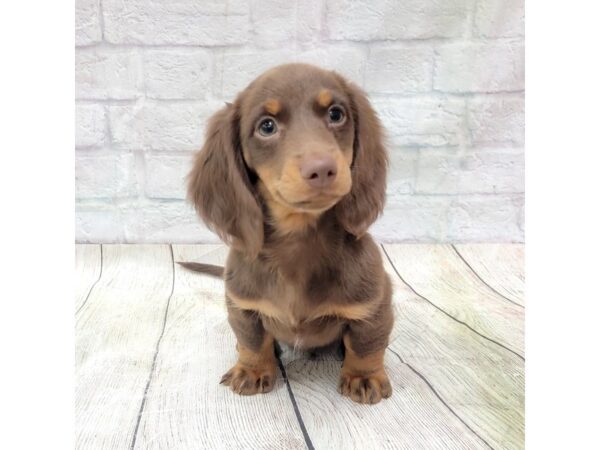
399	70
157	22
521	222
366	20
309	22
98	223
496	120
273	22
165	176
149	125
90	125
467	218
479	67
489	218
240	68
411	218
87	22
500	18
401	171
165	222
349	62
107	73
177	74
419	122
489	171
456	161
104	176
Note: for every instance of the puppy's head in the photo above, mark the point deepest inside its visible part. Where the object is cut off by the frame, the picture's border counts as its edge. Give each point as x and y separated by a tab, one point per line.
300	140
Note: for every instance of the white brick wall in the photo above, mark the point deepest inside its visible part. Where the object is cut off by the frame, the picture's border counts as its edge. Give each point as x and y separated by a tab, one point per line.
447	79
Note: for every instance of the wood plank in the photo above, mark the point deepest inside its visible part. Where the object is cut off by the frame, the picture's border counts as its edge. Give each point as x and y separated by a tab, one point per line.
116	335
88	265
437	273
186	407
481	382
501	266
413	417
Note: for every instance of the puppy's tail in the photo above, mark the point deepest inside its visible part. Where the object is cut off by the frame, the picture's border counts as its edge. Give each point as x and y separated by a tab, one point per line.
208	269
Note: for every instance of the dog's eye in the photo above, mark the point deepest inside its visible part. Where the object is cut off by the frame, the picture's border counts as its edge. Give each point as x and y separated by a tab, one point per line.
267	127
336	114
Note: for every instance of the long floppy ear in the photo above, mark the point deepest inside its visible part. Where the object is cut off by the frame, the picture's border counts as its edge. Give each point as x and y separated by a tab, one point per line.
220	189
359	209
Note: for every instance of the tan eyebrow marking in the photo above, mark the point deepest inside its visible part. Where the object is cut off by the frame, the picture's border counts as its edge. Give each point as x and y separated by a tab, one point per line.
324	98
272	106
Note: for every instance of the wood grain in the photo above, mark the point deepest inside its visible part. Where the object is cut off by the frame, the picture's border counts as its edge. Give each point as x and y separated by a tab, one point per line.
438	274
145	328
116	336
481	383
186	407
88	265
411	418
501	266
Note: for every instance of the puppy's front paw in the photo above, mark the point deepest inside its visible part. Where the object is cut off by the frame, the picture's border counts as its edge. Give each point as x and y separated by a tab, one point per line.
365	388
245	380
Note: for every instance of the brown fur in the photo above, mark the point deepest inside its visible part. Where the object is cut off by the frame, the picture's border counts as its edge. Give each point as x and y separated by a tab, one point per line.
363	379
255	370
209	269
302	268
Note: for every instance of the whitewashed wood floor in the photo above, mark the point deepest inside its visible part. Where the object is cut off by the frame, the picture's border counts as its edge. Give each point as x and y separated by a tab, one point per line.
152	341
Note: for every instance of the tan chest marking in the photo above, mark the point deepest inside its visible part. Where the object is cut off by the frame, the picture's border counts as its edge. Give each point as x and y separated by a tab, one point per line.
263	307
286	315
292	222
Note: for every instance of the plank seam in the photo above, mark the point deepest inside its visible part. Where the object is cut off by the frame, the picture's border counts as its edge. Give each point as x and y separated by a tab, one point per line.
420	375
446	313
153	367
483	281
93	285
295	405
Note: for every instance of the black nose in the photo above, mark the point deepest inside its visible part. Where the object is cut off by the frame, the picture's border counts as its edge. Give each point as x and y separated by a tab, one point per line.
319	172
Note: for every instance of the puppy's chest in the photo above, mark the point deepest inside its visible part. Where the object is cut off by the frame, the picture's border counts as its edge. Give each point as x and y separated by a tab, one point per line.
299	299
285	300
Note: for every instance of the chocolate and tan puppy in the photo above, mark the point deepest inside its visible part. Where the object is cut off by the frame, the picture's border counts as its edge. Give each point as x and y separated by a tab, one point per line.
291	175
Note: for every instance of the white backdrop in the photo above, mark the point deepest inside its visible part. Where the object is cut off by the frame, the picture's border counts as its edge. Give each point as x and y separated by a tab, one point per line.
447	79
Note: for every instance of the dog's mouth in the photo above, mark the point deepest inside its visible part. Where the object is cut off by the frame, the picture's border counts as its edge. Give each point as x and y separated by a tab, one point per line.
317	203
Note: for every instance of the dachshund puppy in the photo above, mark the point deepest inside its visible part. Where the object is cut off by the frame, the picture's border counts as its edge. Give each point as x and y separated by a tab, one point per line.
291	176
